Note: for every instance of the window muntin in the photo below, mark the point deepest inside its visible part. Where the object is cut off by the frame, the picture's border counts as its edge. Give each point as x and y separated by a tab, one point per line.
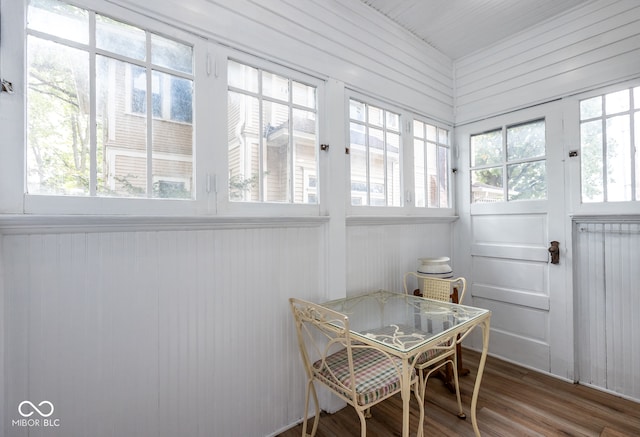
509	164
431	165
375	147
272	137
121	153
609	163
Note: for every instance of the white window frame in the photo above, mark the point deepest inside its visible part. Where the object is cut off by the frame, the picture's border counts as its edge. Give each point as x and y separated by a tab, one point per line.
450	166
571	115
210	171
228	207
13	196
505	162
407	207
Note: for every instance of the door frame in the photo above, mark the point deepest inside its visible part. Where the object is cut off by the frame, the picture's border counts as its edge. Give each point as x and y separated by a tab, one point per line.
560	281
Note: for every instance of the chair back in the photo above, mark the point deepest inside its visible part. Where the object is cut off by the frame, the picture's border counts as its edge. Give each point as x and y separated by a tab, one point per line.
322	332
436	288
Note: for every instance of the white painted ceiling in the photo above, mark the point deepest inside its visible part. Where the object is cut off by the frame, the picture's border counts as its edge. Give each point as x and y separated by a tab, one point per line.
460	27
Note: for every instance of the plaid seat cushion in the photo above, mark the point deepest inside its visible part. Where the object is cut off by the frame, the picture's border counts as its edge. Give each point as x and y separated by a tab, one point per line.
429	355
376	374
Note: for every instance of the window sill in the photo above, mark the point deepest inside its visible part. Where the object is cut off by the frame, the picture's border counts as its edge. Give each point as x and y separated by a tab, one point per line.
397	220
42	224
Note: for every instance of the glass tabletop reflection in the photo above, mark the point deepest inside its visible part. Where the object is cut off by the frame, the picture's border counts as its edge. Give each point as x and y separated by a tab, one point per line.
403	322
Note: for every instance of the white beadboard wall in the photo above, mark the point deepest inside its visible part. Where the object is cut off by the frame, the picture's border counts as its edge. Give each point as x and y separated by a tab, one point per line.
607	302
159	333
591	46
177	332
379	255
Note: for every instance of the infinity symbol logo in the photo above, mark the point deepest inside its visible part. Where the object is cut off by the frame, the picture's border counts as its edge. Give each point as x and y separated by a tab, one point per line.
35	408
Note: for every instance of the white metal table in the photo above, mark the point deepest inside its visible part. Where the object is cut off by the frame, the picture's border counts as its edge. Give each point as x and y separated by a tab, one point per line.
406	326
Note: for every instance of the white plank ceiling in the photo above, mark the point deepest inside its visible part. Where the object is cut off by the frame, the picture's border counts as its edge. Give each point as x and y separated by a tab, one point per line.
460	27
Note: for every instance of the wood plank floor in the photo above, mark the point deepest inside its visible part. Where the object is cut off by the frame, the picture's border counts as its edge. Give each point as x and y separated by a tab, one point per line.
513	401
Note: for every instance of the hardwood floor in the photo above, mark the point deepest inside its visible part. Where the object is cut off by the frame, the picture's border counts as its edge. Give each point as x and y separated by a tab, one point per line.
513	401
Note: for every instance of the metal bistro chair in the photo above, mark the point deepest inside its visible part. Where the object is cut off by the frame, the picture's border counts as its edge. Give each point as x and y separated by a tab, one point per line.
360	374
446	354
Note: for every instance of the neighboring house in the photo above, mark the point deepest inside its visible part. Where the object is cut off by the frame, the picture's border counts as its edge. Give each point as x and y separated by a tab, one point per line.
125	148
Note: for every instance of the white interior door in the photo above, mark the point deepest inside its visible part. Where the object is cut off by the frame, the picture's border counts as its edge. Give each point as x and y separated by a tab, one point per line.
511	206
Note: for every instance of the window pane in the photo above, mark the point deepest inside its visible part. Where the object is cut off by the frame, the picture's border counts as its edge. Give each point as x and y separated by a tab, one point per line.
242	77
376	116
276	151
304	143
181	99
172	149
376	167
418	129
244	147
443	136
121	135
591	108
527	181
120	38
356	110
487	185
618	159
617	102
171	54
393	121
486	149
443	177
637	150
275	86
591	161
59	19
432	133
394	190
58	109
526	141
358	160
303	95
432	175
419	172
636	98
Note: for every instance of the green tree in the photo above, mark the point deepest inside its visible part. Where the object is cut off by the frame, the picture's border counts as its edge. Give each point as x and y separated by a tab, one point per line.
58	118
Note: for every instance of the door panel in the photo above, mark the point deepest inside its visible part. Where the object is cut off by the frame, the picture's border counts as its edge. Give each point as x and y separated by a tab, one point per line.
503	250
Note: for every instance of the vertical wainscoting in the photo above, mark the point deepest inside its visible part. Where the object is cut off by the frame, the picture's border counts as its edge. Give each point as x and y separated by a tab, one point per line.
378	253
607	301
158	333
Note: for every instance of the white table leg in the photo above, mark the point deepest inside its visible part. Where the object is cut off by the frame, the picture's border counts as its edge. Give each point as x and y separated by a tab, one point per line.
406	396
476	387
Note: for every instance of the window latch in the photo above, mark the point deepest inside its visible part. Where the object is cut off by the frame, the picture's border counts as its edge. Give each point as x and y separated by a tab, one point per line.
324	147
6	86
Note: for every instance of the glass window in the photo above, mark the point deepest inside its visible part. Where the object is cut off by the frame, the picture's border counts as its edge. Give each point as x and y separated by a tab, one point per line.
375	153
431	165
272	137
509	164
141	144
609	162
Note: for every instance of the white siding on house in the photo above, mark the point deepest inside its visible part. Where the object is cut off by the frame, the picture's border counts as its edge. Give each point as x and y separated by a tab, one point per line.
583	49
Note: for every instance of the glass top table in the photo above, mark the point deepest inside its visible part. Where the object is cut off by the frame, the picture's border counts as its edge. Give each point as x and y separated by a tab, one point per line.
406	326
